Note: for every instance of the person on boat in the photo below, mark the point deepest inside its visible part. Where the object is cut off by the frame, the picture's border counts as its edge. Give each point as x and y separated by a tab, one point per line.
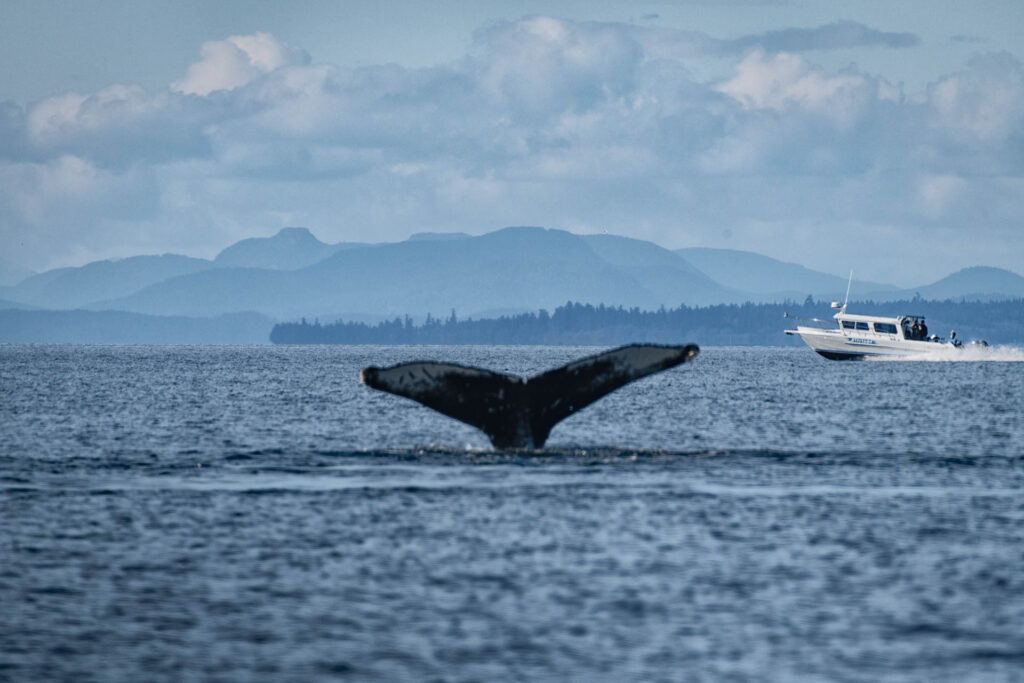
924	330
915	331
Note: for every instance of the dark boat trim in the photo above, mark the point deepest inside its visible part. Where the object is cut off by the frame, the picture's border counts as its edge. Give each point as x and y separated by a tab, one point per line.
838	355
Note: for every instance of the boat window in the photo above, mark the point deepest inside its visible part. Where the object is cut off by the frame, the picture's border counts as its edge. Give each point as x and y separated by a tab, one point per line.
847	324
862	326
885	328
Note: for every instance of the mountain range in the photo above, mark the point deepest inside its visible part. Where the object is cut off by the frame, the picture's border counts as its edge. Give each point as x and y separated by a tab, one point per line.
292	275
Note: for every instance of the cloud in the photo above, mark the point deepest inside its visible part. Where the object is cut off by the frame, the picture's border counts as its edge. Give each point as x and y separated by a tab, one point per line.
985	102
582	125
13	139
66	208
835	36
545	65
964	38
785	81
119	125
229	64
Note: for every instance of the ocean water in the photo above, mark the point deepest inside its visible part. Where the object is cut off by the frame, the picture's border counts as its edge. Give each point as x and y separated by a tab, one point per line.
253	513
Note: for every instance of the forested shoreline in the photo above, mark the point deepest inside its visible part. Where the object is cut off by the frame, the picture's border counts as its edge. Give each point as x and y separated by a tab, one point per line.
999	322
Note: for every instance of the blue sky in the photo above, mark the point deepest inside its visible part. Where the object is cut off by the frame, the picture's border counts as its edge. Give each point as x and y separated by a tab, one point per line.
886	137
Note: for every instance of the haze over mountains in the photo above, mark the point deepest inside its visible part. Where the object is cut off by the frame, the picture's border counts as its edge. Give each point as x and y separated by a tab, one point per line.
12	273
294	275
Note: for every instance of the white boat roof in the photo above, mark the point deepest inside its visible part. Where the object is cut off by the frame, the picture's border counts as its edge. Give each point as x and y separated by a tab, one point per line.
869	318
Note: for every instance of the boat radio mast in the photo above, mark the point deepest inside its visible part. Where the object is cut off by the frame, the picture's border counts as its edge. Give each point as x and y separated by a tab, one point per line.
848	283
835	304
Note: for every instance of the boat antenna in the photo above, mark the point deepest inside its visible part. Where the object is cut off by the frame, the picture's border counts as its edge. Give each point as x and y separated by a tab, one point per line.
848	283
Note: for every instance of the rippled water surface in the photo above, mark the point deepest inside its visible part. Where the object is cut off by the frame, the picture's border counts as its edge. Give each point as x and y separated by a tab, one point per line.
253	513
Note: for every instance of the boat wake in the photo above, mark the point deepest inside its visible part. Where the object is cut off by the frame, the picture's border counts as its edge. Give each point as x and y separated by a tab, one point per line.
968	354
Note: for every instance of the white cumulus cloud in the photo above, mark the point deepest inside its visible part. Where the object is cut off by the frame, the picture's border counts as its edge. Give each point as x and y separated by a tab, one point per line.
231	63
785	80
986	100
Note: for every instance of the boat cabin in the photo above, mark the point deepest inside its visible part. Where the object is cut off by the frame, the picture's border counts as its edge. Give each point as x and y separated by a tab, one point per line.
902	327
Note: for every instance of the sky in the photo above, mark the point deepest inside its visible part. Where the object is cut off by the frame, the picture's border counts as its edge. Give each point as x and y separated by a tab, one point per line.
882	137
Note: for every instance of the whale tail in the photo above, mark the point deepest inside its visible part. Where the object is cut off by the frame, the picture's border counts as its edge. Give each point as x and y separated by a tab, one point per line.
520	413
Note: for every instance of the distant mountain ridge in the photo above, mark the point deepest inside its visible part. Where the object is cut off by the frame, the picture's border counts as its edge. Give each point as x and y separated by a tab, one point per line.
523	268
661	270
768	279
438	236
6	305
289	249
292	274
978	283
66	288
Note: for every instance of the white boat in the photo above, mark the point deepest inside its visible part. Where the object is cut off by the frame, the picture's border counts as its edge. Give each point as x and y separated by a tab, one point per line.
856	337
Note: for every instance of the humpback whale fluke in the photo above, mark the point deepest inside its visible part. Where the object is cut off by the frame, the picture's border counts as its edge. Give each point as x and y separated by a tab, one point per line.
515	412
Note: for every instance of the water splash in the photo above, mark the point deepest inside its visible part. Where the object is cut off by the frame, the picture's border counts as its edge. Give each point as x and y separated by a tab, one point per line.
970	353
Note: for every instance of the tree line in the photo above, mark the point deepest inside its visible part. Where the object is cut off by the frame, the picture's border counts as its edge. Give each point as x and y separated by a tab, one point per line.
749	324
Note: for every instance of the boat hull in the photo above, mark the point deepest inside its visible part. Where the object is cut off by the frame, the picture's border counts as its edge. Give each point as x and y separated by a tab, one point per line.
835	345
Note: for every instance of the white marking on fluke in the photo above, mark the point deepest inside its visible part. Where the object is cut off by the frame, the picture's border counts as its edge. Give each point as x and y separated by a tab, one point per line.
519	413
